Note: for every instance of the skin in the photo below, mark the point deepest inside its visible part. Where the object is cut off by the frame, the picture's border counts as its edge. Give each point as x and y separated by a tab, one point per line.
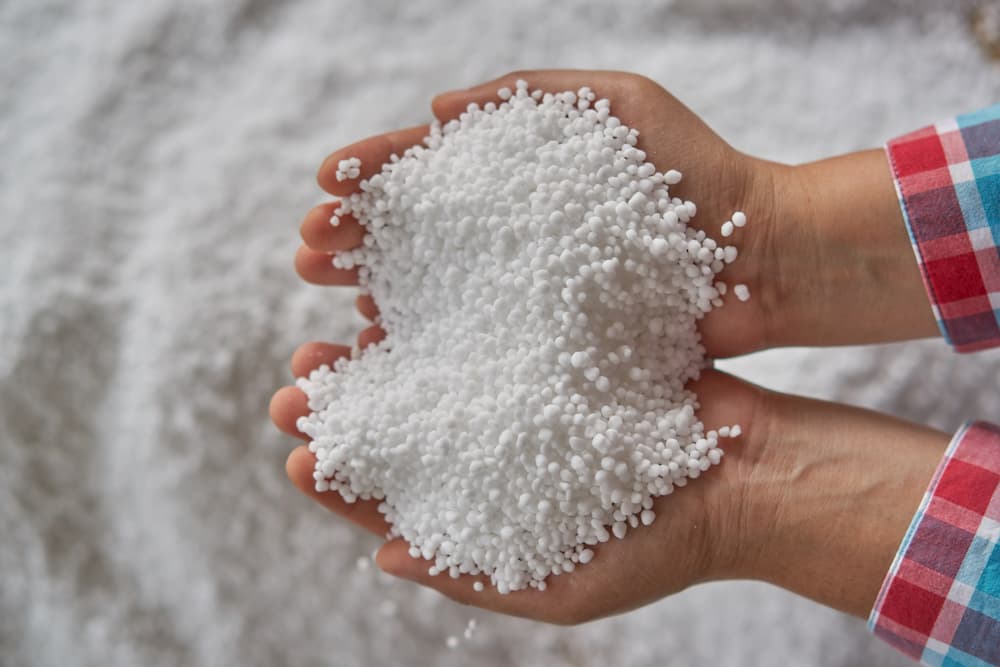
814	496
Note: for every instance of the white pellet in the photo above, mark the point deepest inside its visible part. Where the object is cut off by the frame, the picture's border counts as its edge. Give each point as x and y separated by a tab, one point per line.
348	169
739	218
388	608
742	292
541	314
727	228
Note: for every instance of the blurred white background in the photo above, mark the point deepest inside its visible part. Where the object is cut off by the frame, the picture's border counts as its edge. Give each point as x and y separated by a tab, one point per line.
155	160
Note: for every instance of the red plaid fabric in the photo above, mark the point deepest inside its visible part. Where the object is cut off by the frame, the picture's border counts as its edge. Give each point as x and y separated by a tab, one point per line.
940	602
948	182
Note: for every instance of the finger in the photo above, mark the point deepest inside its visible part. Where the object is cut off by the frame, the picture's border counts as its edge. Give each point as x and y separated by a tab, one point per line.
372	334
300	465
373	153
317	268
366	306
311	356
287	405
449	105
321	236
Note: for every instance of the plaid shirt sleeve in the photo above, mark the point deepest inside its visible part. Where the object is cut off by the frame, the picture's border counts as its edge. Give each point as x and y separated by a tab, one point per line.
940	602
948	181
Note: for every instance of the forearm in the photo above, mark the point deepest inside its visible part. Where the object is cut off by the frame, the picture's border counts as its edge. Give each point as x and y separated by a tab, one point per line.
847	272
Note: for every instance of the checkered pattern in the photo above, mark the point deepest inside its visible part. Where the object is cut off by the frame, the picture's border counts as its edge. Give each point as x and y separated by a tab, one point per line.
940	602
948	182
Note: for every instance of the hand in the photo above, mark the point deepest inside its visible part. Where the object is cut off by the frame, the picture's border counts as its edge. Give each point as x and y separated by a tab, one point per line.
810	284
719	179
685	544
814	497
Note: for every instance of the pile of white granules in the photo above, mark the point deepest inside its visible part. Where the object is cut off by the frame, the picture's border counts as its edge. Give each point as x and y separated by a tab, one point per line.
539	289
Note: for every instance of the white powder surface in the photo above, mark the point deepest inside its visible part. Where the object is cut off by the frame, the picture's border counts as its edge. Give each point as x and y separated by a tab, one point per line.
156	160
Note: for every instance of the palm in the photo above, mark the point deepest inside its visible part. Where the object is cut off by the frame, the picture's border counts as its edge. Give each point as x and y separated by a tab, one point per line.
678	546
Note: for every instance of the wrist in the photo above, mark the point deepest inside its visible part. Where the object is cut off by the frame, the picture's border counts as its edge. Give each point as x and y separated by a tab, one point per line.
844	270
831	492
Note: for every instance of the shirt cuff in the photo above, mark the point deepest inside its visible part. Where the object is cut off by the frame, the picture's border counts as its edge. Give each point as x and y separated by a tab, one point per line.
940	602
948	183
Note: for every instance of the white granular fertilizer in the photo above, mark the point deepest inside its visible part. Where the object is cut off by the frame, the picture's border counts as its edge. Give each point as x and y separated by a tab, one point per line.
540	290
348	169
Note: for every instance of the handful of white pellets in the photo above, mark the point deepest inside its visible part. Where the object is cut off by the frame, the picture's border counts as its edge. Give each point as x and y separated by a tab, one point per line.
540	289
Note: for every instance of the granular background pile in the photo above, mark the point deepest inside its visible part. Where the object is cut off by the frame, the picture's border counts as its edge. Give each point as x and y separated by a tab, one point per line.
156	158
